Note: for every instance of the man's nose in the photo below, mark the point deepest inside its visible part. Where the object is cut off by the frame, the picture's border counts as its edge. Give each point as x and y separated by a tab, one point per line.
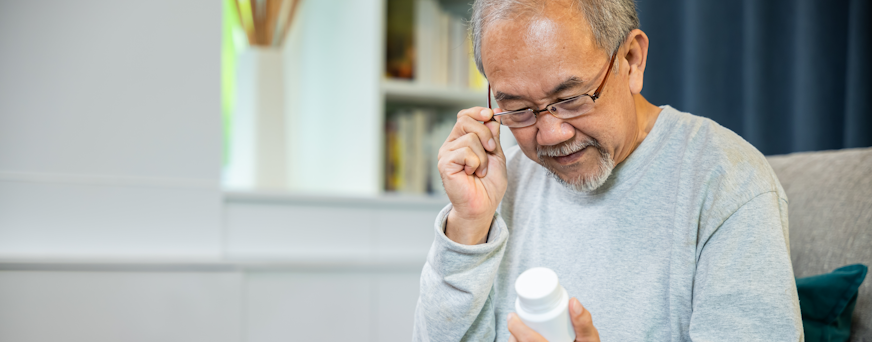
552	130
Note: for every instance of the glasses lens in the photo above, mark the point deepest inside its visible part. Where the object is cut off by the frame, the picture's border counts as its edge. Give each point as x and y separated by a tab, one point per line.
520	119
572	107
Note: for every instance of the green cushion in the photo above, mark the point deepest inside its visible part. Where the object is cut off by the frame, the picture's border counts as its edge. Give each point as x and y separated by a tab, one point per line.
827	302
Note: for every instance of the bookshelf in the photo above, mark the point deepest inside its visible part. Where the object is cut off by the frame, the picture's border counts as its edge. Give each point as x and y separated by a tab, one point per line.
430	77
339	98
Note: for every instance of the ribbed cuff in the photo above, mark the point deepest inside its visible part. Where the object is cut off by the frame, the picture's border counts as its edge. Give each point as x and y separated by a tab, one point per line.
497	235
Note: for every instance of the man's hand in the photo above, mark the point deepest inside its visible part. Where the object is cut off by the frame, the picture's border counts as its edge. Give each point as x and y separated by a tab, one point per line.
581	321
473	170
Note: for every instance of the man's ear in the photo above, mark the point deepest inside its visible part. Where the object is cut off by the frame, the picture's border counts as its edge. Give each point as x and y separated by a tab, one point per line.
637	56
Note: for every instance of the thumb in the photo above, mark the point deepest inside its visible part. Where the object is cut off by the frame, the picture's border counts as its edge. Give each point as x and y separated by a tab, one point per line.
520	331
582	322
494	127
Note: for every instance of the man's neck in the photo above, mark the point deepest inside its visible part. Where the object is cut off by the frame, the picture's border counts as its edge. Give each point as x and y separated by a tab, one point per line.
646	116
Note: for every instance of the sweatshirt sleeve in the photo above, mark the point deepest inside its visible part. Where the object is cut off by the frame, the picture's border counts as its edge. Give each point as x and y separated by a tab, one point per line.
744	289
456	294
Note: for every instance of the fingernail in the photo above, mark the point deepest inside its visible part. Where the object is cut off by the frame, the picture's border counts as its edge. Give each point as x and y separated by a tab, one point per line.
509	316
484	172
576	307
484	112
491	144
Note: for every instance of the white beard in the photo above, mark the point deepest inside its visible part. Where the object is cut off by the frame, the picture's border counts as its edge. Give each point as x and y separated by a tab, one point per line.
582	183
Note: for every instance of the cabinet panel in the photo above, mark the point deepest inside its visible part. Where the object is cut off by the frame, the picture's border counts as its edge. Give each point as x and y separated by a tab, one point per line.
119	306
397	296
265	230
316	306
404	233
59	219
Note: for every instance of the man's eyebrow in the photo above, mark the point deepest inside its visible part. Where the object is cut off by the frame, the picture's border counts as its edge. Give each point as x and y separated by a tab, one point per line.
569	83
501	96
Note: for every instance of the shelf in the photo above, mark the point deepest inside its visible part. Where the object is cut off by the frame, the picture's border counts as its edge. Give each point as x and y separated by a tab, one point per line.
415	93
386	201
107	264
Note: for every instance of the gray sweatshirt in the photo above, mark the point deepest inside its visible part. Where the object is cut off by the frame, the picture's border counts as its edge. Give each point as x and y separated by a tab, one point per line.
686	241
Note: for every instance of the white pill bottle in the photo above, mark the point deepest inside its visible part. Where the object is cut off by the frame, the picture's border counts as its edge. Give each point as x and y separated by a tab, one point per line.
543	304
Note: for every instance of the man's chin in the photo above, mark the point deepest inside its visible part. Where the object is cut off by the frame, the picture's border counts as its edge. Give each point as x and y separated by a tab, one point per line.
585	164
584	175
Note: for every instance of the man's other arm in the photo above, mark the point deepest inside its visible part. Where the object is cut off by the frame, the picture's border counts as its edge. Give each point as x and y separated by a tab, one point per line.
744	288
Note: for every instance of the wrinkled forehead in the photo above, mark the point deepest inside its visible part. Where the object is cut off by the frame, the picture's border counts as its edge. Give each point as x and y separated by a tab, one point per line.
535	48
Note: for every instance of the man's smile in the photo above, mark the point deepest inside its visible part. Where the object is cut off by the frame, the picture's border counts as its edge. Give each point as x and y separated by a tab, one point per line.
570	158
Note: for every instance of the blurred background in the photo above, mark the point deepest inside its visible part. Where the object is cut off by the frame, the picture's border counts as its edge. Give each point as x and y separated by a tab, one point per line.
263	170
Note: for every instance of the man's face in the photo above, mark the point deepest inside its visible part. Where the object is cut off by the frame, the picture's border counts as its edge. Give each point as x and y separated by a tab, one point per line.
528	58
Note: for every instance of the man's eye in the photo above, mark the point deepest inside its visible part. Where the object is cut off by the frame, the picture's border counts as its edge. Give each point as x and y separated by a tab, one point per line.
569	100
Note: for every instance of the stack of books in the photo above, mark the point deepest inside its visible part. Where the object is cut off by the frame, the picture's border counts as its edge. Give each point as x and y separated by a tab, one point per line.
429	46
413	138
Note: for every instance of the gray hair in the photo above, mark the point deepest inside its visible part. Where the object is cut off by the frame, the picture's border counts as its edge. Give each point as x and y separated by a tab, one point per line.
610	20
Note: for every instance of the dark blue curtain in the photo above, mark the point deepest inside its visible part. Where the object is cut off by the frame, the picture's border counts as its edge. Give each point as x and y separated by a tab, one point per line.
787	76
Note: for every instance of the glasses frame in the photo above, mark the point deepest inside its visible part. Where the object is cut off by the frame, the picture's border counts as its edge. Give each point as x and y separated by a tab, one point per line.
550	108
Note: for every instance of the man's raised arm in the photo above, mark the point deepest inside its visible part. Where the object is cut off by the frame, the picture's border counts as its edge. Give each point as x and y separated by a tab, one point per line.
456	293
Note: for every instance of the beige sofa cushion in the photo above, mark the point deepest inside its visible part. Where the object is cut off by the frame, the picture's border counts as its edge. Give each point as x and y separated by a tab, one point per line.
830	212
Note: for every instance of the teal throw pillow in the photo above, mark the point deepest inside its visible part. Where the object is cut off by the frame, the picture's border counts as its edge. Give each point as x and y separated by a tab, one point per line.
827	302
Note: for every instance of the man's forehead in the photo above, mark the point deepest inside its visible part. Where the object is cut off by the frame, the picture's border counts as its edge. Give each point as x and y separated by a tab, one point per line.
539	52
520	41
540	29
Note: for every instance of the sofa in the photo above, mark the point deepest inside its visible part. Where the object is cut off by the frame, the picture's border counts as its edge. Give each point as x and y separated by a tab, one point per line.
830	217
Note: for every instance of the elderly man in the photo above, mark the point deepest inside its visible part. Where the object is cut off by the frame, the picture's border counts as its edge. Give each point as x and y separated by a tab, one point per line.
664	226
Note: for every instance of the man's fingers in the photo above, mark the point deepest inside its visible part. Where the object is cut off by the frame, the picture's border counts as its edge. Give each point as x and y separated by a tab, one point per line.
477	113
498	118
462	159
468	123
521	332
494	128
471	141
582	322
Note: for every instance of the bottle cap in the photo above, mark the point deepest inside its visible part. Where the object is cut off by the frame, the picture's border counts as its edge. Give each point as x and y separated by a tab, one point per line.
538	290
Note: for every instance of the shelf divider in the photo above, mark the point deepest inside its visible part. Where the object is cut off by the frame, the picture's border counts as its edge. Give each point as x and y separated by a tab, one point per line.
431	95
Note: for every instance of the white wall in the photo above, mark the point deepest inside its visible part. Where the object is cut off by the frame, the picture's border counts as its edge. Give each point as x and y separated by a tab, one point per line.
110	137
333	69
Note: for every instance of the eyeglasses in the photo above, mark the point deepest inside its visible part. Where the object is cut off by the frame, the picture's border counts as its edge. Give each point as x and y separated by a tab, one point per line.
565	109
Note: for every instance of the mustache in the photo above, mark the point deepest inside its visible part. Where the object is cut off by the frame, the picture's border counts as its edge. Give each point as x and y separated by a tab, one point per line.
566	148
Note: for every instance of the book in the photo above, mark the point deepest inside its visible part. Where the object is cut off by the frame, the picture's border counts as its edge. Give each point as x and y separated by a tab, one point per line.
413	137
442	48
459	54
426	12
441	129
400	39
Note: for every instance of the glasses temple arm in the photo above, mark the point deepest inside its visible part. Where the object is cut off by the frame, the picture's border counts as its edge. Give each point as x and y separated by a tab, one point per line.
599	89
489	96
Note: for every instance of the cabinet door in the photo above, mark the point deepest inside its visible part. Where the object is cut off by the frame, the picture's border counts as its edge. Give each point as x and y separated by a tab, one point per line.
111	306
